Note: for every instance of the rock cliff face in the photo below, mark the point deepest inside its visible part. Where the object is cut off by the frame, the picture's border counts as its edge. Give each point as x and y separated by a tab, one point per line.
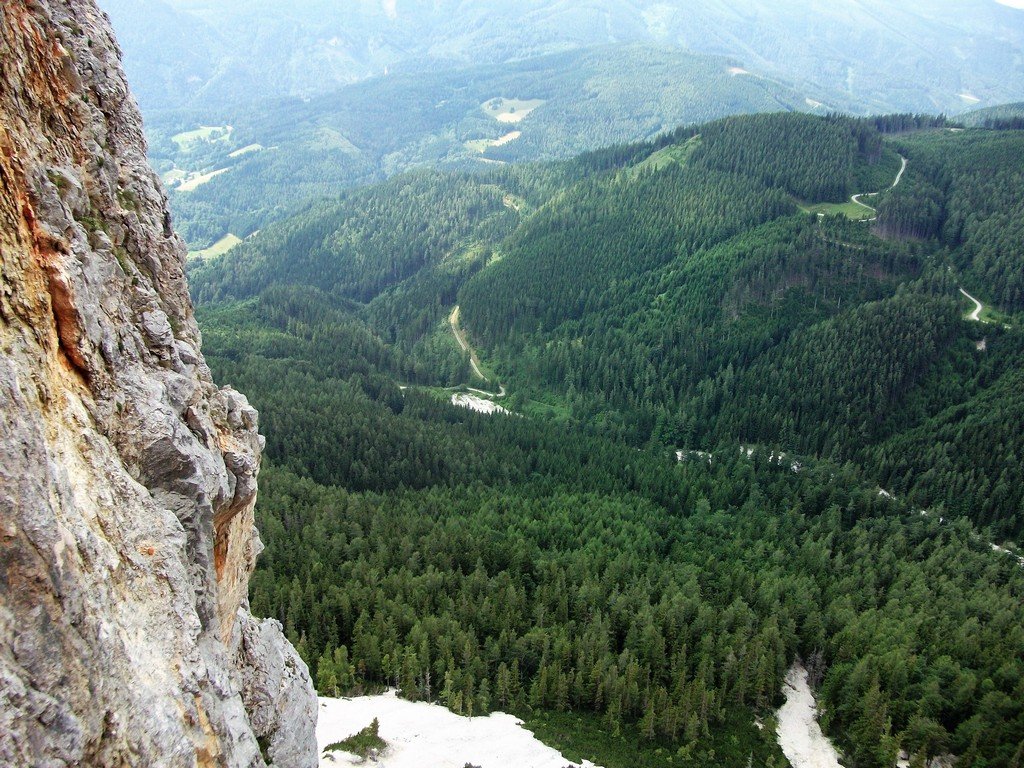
127	478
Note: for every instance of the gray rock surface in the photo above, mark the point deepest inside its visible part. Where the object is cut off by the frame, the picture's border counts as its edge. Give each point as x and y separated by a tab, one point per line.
275	688
127	478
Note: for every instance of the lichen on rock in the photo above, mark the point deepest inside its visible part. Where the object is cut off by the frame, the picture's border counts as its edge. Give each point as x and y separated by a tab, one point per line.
127	477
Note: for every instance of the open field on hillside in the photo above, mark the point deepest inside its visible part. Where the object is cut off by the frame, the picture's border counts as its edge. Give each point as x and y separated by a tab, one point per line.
246	150
209	133
482	145
510	110
219	248
848	209
194	181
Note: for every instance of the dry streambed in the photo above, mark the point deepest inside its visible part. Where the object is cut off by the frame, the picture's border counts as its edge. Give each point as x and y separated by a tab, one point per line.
800	736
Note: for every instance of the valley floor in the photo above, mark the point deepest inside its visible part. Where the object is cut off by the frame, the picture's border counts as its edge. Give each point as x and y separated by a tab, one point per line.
421	735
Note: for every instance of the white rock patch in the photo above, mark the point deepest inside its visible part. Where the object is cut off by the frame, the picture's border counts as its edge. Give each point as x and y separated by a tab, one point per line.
421	735
800	736
478	404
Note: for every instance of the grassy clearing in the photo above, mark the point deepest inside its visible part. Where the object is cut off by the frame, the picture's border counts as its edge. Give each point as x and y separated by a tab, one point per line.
210	133
543	409
329	138
444	394
849	209
458	258
586	737
513	203
218	249
510	110
873	179
196	180
482	145
246	150
677	154
174	175
441	393
991	315
996	317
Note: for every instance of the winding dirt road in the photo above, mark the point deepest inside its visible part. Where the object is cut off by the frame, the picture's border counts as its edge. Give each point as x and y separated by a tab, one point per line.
899	176
978	307
474	360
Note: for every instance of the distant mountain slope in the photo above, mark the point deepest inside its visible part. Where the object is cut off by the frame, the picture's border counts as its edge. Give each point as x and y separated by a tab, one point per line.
965	190
171	55
934	55
549	107
993	115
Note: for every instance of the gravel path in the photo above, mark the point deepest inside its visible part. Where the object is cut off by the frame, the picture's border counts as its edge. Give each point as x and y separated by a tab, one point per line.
978	307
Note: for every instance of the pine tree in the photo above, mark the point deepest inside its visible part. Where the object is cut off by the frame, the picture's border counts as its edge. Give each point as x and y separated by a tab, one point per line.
503	686
483	697
649	722
873	743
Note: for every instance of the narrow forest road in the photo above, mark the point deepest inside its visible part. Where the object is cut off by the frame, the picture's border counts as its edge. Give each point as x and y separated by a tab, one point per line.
460	337
474	360
899	176
978	308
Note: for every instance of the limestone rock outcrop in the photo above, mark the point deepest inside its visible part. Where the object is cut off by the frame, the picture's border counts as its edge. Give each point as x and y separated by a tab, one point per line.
127	477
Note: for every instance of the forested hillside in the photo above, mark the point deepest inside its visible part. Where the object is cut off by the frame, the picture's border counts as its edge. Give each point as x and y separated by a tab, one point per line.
471	117
965	191
817	375
1001	116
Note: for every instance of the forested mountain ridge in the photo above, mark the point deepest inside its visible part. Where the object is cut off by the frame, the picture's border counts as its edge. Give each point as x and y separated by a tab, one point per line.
636	301
287	151
367	89
965	192
935	54
993	117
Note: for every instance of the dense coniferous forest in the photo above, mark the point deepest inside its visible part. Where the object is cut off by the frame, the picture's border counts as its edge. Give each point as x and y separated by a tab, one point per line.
848	441
965	192
1001	116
